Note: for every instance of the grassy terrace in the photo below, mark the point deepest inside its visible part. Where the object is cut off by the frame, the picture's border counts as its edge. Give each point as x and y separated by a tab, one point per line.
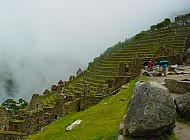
49	100
97	72
107	68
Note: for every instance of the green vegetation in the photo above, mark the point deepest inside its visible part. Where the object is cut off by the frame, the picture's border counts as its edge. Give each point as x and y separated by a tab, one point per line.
36	110
99	122
119	45
109	51
49	100
165	23
12	104
179	119
141	35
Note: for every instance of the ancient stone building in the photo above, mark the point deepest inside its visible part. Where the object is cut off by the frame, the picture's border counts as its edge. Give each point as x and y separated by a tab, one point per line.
61	83
46	92
54	88
71	78
79	72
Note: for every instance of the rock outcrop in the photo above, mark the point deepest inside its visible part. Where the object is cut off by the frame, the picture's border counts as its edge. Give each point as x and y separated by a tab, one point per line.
151	111
183	106
180	85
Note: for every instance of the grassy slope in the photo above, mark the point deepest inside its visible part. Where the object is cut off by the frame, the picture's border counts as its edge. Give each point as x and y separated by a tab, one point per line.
99	122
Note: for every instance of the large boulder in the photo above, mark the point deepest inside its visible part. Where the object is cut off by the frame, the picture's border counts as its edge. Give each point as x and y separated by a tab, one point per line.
179	85
151	111
183	106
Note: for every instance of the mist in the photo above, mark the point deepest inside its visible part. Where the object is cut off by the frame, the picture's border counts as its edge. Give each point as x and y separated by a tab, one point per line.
43	41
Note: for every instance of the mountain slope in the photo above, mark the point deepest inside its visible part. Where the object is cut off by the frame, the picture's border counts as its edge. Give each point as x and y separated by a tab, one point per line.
98	122
150	46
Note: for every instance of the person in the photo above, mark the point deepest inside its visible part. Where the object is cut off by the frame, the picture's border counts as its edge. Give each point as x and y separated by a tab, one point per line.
155	63
145	64
164	65
150	64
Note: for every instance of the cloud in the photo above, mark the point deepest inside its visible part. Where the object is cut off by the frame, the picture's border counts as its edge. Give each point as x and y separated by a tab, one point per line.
44	41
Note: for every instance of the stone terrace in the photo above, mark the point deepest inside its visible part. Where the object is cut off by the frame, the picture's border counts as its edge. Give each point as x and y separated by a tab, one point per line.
96	76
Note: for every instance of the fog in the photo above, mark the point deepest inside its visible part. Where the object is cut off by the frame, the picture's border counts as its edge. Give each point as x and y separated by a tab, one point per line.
43	41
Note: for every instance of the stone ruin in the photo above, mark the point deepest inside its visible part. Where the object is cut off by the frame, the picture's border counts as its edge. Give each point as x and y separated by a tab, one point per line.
39	113
79	72
181	86
183	20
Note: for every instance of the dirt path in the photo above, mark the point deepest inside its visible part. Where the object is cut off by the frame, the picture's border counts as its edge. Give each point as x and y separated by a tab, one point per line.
181	130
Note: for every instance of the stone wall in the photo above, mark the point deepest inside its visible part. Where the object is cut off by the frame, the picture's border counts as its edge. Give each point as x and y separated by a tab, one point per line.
89	101
35	102
4	117
177	86
36	120
71	106
12	136
58	108
16	125
21	114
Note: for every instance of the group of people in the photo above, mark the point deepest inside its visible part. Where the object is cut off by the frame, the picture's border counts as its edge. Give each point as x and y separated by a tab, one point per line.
163	66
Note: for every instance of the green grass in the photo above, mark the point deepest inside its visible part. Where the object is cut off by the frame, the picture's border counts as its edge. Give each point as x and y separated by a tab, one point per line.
99	122
49	100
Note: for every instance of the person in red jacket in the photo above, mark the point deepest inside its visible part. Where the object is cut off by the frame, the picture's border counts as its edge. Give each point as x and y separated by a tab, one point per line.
150	64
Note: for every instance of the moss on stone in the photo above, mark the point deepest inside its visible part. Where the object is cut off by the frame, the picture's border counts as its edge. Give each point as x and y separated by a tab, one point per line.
36	110
17	121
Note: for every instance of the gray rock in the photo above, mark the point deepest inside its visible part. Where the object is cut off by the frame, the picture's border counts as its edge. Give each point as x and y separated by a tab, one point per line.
172	67
183	106
178	86
73	125
123	99
121	137
124	86
151	111
146	73
121	128
178	128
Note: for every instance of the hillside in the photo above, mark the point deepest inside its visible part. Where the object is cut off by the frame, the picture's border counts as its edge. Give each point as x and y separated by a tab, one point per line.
98	121
108	74
98	84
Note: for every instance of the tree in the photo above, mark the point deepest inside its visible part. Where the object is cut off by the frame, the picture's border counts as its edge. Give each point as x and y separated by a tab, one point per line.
12	104
153	27
22	103
167	21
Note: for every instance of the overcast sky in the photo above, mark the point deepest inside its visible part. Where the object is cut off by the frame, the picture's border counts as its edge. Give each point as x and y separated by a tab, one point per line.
43	41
